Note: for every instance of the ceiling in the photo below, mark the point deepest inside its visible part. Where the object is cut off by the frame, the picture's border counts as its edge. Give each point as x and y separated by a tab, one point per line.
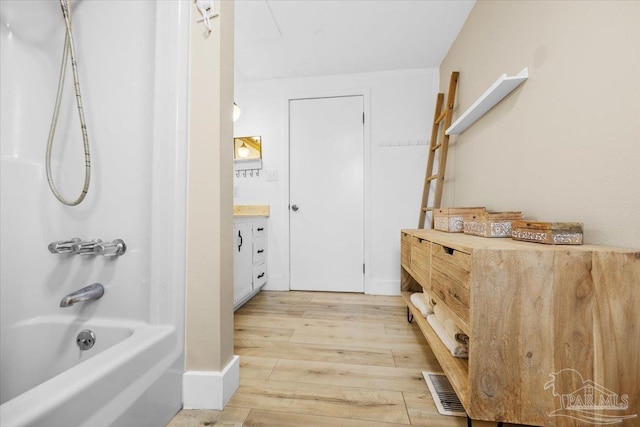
297	38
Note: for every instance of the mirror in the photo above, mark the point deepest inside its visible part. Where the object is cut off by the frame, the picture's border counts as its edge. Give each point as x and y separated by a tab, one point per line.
247	148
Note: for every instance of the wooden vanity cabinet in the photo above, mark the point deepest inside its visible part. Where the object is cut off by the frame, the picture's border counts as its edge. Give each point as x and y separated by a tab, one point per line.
531	311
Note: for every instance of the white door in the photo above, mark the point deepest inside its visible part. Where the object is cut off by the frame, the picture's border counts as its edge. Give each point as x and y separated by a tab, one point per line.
326	194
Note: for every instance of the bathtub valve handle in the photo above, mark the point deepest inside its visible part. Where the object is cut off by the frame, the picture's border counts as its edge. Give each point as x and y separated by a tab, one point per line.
63	246
115	248
85	248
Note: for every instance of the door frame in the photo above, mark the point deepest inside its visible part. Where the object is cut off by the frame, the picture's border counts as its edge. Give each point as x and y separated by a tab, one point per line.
314	94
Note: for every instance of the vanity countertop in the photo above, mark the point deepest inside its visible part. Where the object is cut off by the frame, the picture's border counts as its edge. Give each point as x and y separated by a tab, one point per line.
250	210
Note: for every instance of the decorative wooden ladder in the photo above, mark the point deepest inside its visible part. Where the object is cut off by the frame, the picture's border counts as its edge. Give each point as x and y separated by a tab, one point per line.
439	141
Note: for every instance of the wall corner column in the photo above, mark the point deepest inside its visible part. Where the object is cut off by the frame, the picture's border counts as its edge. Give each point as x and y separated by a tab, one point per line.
212	371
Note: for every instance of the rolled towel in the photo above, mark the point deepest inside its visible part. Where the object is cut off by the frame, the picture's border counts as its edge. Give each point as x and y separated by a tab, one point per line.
418	300
456	349
462	338
427	297
446	322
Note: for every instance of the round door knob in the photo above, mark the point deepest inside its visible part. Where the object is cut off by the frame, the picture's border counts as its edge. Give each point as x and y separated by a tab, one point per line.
294	208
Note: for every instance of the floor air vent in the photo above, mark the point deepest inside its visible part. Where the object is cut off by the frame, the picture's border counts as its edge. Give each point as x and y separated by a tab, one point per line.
443	394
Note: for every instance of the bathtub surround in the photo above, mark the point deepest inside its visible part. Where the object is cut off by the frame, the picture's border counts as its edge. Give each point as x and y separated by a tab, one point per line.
134	74
212	373
564	146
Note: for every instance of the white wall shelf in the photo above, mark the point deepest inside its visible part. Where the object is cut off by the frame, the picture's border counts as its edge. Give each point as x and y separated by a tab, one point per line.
501	88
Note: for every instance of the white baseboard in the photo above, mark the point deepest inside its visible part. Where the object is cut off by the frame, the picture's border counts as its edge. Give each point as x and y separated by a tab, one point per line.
210	389
383	287
376	286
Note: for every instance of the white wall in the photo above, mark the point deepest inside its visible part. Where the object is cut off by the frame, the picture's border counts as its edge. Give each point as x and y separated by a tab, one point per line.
401	112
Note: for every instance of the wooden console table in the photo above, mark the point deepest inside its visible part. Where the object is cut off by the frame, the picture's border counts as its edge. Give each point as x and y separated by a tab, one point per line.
543	322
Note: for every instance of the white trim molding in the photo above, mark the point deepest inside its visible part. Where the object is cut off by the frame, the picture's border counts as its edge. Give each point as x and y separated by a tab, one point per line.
210	389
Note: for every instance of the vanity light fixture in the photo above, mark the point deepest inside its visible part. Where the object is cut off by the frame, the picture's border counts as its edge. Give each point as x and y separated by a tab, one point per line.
236	113
243	151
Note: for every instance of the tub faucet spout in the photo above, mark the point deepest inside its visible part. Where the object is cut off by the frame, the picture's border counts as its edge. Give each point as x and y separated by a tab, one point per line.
91	292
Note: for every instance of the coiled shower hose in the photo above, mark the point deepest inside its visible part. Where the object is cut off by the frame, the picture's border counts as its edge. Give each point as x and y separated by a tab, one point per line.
69	50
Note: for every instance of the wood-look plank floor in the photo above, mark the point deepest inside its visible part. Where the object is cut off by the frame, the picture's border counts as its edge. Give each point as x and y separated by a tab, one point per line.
327	359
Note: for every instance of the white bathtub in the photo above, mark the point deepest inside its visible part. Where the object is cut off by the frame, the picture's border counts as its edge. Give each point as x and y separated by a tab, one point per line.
48	381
